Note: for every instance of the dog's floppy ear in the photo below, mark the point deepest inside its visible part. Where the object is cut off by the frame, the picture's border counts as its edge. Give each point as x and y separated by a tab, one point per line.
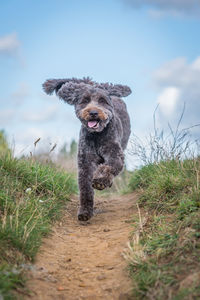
118	90
52	85
70	92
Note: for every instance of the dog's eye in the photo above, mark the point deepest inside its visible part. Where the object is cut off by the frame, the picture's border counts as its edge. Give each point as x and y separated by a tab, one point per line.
102	100
85	100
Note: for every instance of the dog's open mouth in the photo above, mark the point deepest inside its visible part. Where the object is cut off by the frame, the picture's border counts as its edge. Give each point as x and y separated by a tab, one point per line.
93	124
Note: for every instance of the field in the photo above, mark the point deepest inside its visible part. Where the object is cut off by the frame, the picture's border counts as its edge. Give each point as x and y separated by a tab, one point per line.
159	208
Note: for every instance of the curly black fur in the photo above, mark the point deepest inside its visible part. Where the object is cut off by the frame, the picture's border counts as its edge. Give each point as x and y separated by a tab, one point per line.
104	132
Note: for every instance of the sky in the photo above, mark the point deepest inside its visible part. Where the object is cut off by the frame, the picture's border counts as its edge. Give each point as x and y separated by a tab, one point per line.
153	46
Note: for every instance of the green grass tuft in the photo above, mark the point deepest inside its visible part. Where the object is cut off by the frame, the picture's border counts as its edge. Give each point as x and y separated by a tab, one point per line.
32	197
170	236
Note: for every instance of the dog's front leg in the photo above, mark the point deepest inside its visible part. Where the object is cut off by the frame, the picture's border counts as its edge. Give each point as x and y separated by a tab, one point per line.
113	165
85	175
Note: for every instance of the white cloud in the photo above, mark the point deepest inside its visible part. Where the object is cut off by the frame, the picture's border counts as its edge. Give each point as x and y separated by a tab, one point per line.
9	44
179	83
196	64
168	100
41	115
16	98
22	92
159	8
6	115
178	72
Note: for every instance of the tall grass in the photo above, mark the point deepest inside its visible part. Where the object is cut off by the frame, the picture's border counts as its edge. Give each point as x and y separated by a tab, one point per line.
161	145
32	196
164	254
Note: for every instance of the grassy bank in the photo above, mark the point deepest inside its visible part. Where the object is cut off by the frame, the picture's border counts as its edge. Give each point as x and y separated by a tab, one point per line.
165	250
32	196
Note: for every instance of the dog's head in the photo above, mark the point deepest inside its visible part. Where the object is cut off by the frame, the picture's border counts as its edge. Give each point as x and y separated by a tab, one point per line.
92	101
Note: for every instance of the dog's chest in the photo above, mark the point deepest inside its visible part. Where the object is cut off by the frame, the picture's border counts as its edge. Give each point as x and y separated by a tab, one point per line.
92	147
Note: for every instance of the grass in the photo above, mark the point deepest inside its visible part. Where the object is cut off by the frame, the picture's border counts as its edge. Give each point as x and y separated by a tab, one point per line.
168	233
32	196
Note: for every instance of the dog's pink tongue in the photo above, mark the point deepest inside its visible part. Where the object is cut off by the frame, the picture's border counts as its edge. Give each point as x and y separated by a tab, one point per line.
92	124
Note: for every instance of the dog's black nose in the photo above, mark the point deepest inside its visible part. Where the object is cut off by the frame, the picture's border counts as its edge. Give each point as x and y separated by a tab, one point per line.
93	113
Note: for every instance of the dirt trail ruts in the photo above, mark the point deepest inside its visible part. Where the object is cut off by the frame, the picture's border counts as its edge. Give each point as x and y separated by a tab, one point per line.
84	260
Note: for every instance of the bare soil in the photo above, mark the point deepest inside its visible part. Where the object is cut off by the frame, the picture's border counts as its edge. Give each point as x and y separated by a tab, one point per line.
84	260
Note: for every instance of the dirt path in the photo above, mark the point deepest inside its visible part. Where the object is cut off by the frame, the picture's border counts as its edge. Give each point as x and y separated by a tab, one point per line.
84	260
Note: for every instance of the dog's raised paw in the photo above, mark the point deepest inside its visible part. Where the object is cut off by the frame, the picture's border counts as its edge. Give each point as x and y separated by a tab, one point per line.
101	183
98	186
